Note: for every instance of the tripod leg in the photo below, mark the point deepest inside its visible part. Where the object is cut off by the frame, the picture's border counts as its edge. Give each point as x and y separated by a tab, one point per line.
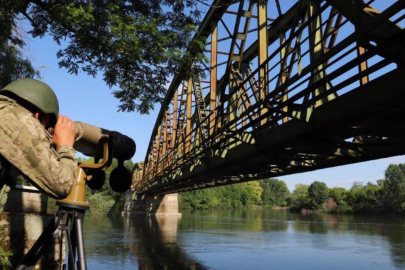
80	244
76	241
38	248
71	251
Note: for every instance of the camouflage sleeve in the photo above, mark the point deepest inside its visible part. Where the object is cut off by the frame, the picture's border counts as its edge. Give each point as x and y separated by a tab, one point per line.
52	170
26	145
66	153
67	165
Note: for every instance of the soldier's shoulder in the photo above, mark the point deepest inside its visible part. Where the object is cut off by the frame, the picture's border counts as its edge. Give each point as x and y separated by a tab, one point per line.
6	99
14	113
14	118
7	102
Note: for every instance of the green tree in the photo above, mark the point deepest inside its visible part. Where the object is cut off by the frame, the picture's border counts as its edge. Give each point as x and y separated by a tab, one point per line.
299	197
357	185
13	65
365	198
374	195
256	191
338	194
196	199
137	45
394	188
318	194
275	192
356	198
230	196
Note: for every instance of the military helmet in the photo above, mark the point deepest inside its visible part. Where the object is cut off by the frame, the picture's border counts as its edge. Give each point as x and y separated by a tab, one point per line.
37	93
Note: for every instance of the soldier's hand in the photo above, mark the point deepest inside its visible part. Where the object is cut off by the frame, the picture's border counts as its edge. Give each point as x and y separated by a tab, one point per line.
64	133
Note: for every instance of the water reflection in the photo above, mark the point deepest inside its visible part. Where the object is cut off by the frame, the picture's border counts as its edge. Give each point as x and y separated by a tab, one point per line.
156	245
242	239
235	220
390	228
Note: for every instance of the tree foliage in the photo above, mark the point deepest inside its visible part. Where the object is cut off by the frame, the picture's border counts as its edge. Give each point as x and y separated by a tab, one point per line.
275	192
300	197
394	188
256	190
237	195
338	194
360	198
13	65
318	193
137	45
388	195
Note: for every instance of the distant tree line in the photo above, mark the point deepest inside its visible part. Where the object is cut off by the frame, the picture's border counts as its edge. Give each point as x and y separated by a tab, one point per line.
387	195
267	192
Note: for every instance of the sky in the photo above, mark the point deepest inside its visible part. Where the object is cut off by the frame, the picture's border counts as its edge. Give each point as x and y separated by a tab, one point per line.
87	99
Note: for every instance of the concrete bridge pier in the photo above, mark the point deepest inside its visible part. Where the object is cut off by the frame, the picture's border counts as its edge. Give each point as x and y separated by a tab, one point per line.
161	205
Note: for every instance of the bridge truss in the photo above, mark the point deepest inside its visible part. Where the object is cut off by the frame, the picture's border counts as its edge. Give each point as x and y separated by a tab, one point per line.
289	87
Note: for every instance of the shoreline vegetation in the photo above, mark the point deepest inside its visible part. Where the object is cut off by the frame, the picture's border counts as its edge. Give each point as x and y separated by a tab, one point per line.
386	196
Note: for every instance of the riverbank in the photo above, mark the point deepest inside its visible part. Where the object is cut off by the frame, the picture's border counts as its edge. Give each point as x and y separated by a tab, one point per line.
303	211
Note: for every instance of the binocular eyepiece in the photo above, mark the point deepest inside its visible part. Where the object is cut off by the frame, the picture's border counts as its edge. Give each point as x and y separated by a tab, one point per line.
90	142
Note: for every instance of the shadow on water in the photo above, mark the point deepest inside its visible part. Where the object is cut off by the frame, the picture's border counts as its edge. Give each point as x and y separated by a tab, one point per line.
137	242
157	246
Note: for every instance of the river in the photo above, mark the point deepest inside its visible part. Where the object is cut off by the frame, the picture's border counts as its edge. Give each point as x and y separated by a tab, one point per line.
246	239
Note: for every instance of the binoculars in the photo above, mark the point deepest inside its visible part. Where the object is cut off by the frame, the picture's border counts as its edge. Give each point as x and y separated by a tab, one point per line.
104	144
89	142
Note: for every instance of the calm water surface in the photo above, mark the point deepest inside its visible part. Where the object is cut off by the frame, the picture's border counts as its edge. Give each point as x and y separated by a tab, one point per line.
246	239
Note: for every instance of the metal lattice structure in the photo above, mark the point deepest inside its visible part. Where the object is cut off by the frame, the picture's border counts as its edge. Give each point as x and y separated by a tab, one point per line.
321	84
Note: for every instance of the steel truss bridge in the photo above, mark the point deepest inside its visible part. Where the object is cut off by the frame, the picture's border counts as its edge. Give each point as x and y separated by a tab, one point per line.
289	87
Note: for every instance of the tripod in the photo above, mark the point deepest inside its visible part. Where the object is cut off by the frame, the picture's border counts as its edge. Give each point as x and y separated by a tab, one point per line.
73	229
74	206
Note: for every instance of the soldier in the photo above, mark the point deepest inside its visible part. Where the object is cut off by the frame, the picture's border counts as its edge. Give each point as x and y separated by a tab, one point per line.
27	108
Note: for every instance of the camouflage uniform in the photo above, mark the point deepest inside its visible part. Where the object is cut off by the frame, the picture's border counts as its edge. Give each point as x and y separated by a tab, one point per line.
28	146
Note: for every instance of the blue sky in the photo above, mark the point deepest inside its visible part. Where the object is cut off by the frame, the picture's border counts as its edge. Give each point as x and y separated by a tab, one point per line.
87	99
